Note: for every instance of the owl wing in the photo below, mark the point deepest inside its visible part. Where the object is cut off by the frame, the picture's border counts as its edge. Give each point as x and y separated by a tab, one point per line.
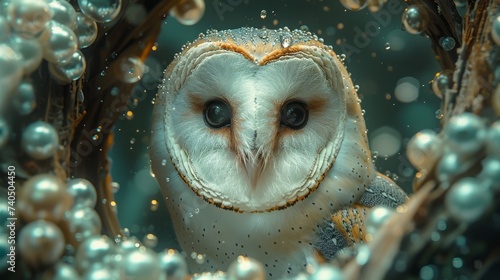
346	226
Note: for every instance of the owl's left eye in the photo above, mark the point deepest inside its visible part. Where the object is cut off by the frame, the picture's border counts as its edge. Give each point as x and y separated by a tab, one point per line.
217	114
294	114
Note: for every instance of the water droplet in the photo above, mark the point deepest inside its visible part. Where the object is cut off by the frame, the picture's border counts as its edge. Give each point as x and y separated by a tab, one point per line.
188	12
114	91
164	162
447	43
263	14
167	179
131	69
115	187
356	87
95	137
439	114
197	210
132	141
415	19
387	46
304	28
286	40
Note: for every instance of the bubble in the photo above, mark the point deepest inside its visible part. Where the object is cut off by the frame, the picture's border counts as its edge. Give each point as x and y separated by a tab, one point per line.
115	186
354	5
70	69
422	147
63	13
407	89
86	30
386	140
164	162
188	12
246	268
40	140
131	69
41	243
28	17
387	46
286	40
263	14
447	43
25	100
100	10
440	84
467	200
415	19
150	240
61	44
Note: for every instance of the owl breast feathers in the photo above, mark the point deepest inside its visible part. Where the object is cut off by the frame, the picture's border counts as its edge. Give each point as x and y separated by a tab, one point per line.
260	148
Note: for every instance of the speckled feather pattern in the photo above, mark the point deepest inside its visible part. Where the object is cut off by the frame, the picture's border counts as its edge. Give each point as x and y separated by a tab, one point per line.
305	177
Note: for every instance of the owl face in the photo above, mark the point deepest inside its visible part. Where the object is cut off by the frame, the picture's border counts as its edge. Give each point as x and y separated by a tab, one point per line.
253	119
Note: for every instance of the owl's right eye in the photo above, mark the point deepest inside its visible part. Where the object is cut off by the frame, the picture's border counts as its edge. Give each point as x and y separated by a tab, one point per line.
217	114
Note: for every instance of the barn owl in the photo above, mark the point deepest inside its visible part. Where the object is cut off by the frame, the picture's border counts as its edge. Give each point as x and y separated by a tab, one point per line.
260	149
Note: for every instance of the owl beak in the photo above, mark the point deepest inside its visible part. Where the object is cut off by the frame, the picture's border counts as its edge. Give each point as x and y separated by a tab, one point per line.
254	166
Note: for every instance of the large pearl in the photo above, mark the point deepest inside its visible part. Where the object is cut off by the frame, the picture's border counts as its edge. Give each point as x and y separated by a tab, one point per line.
30	51
95	250
61	43
28	17
188	12
43	196
41	243
142	263
70	69
415	19
25	100
40	140
449	166
83	223
61	271
100	10
466	133
173	264
63	13
86	30
83	193
422	147
327	272
377	217
245	268
467	200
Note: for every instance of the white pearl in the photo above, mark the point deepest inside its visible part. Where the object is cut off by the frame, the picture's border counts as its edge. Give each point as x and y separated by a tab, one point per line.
63	13
83	193
173	264
130	69
40	140
61	271
449	166
25	101
422	147
142	263
466	133
100	10
30	52
43	196
28	17
188	12
83	223
41	243
245	268
377	217
440	84
70	69
327	272
415	19
61	43
86	30
467	200
95	250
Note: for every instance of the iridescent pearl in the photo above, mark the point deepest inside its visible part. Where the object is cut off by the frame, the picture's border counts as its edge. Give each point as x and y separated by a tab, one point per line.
94	250
24	102
491	171
70	69
63	13
83	223
415	19
440	84
43	196
142	263
4	132
131	69
354	5
449	166
465	133
101	273
245	268
11	72
61	271
327	272
173	264
40	140
188	12
30	52
86	30
61	43
377	217
467	200
41	243
493	140
100	10
83	193
495	29
28	17
422	147
447	43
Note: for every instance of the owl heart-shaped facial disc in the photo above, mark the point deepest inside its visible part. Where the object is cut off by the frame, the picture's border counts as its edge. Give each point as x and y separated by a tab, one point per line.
255	120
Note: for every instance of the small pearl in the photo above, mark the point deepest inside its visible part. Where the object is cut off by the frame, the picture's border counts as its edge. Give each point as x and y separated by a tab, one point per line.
377	217
40	140
188	12
83	223
95	250
41	243
173	264
28	17
422	147
25	100
142	263
245	268
83	193
415	19
327	272
466	133
43	196
63	12
467	200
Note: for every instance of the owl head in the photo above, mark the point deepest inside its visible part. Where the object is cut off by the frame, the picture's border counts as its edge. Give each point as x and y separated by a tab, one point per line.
253	120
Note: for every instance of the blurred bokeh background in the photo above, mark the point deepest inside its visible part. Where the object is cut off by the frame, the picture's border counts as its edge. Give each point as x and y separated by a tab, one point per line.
391	67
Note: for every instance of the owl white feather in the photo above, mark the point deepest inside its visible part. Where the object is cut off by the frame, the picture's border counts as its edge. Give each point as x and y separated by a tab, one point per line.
258	143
